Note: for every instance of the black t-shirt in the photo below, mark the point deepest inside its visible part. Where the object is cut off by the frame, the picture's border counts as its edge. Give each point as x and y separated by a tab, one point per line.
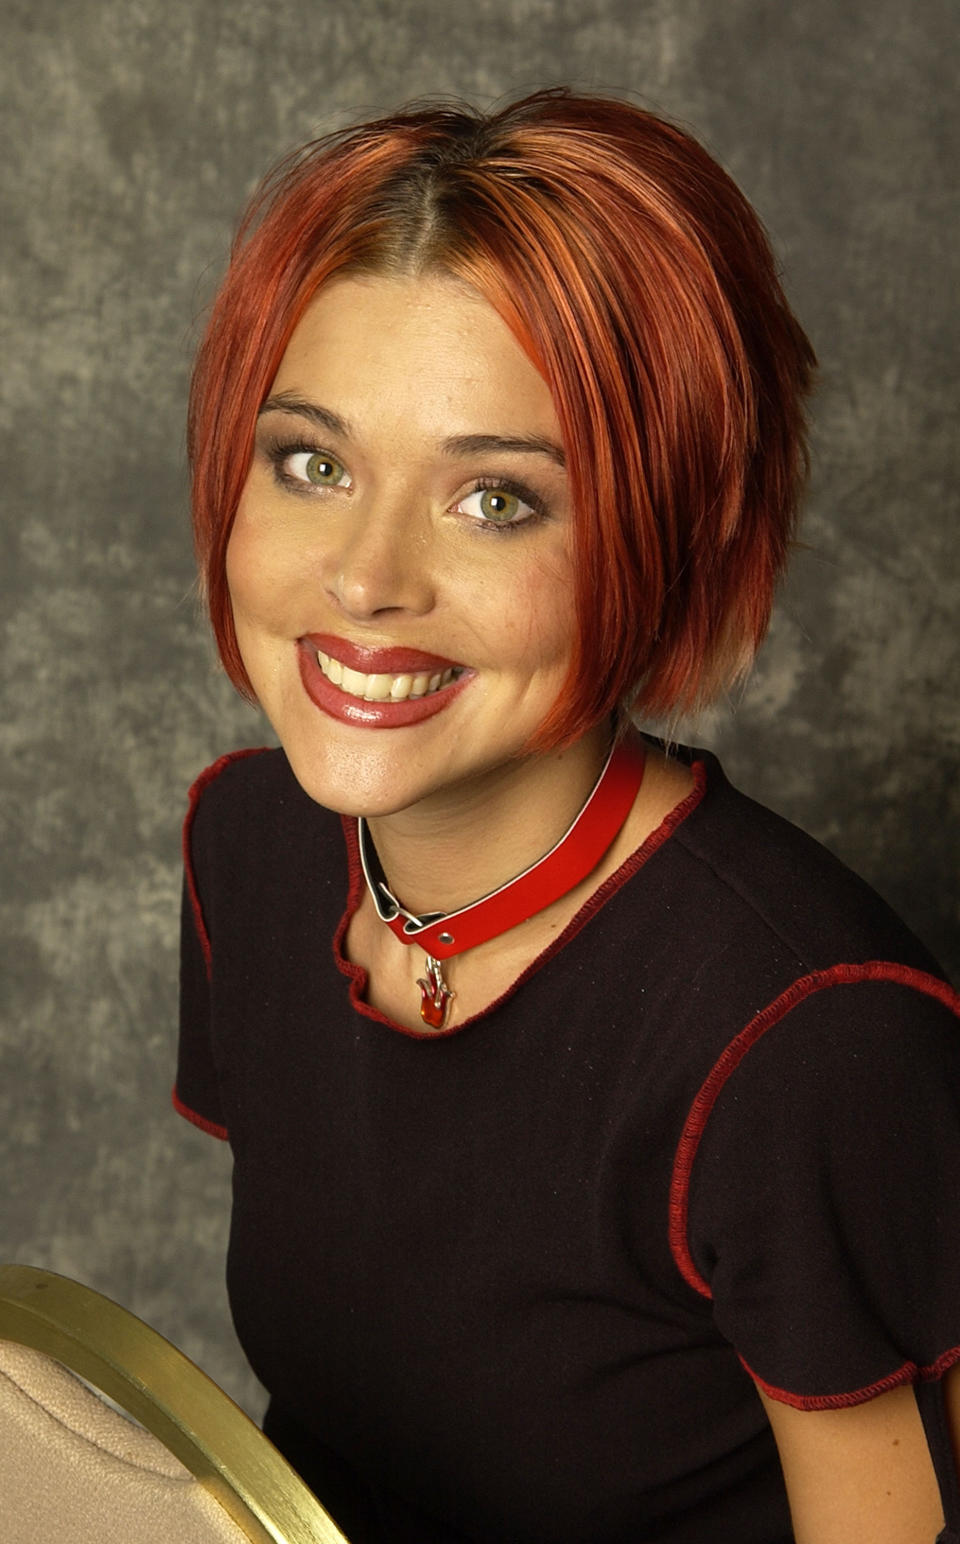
513	1282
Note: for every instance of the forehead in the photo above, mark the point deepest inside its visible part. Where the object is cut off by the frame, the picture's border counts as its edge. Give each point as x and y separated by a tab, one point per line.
428	352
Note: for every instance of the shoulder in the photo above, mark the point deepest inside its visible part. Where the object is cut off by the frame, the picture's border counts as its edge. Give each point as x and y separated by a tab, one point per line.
247	811
818	1015
843	1078
872	1048
256	847
815	1183
237	777
254	784
768	885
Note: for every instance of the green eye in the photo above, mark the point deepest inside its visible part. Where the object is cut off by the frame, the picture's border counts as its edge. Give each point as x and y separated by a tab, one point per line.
323	470
499	506
300	468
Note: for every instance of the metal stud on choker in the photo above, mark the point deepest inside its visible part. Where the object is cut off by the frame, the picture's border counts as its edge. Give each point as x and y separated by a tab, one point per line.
577	853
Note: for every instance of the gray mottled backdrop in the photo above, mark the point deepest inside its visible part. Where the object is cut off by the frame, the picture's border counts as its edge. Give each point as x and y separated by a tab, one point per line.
132	130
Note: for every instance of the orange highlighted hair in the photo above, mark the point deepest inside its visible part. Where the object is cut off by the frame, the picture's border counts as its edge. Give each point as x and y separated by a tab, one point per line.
639	281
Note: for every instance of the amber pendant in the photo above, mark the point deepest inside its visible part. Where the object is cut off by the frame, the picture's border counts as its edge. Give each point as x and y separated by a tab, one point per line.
435	995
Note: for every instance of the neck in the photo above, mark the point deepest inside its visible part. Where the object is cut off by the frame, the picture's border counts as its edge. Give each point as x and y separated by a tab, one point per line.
446	852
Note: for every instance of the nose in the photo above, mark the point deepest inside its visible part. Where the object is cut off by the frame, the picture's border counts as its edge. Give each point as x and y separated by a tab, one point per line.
382	562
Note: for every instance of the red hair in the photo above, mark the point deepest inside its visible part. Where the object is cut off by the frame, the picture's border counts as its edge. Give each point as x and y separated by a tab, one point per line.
640	283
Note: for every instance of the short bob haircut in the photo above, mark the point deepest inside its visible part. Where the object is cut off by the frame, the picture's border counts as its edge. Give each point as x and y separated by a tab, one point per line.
640	283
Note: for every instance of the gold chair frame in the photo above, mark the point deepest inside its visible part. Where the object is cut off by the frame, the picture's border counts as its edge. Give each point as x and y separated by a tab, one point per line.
146	1376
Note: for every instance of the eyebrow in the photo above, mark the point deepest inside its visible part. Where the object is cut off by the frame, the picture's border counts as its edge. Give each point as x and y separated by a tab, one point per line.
476	444
323	417
456	445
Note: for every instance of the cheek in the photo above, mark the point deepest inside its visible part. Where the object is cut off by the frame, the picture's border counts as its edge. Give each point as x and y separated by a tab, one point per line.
520	622
252	571
548	604
258	610
239	568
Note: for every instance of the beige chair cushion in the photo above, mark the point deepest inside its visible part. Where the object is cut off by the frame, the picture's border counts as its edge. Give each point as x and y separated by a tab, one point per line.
74	1471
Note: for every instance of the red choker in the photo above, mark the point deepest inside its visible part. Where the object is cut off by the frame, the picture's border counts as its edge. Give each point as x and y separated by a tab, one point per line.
575	855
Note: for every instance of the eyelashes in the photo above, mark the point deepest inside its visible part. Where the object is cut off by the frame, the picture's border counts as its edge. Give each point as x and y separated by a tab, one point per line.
499	504
302	466
503	503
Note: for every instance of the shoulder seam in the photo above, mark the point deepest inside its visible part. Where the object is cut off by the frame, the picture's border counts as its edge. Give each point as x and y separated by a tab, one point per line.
732	1056
207	776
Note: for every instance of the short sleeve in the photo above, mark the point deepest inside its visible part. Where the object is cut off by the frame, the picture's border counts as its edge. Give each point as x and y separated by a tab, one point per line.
824	1187
196	1093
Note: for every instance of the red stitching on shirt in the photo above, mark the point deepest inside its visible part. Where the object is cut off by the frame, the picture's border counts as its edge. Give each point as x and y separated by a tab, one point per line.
908	1373
837	975
208	1126
610	886
193	799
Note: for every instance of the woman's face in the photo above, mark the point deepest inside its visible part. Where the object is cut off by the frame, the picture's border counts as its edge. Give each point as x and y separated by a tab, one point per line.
400	567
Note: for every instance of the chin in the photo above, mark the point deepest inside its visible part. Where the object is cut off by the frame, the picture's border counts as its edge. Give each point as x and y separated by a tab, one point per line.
353	783
386	778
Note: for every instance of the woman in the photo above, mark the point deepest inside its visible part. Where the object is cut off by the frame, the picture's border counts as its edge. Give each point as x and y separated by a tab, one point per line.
618	1206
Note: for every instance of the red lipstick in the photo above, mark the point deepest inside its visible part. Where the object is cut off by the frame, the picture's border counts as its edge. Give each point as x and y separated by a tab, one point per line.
373	715
373	661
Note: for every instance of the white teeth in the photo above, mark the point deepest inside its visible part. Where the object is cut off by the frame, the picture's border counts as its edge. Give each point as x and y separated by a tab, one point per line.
381	687
353	682
378	687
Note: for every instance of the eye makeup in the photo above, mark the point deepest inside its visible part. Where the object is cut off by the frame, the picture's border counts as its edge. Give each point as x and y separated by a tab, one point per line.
278	450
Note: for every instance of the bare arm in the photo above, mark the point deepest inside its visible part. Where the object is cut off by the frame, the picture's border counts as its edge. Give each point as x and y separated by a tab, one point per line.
862	1475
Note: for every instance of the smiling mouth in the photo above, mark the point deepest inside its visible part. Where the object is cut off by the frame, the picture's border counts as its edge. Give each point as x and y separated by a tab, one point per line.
382	687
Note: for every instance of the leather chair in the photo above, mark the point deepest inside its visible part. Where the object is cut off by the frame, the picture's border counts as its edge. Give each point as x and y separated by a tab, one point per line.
189	1468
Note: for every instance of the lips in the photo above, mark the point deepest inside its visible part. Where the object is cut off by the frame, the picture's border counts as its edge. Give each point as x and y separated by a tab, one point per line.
376	688
371	661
